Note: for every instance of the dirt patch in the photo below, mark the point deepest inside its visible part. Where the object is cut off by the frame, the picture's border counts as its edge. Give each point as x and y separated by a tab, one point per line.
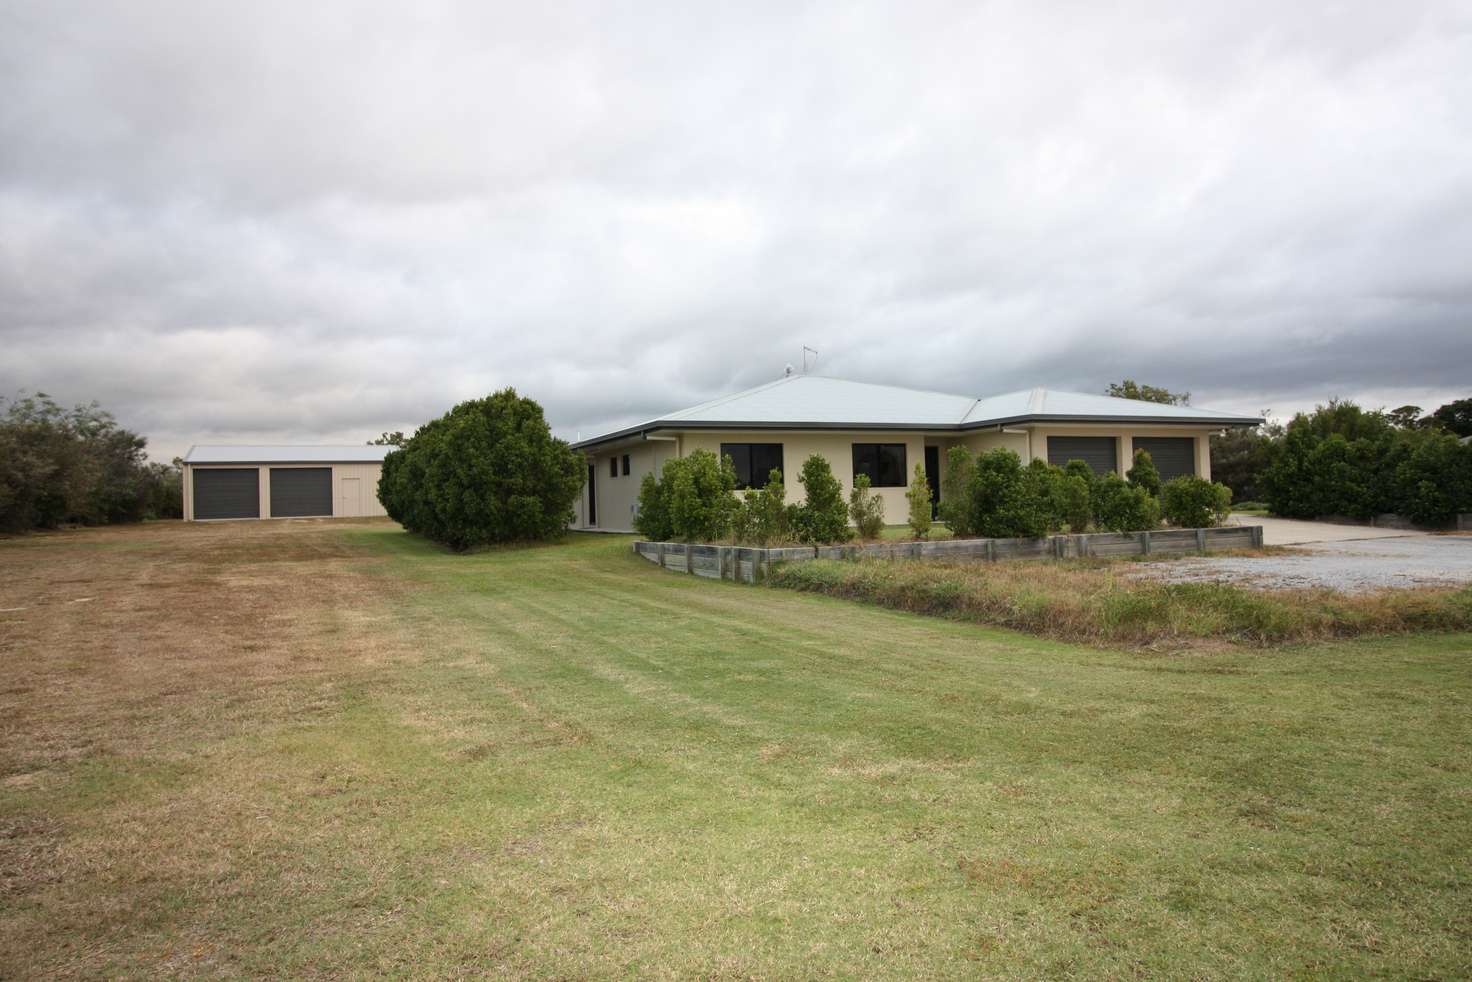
159	625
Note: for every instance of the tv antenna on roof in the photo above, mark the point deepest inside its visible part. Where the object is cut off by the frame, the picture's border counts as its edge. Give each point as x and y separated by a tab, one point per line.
805	352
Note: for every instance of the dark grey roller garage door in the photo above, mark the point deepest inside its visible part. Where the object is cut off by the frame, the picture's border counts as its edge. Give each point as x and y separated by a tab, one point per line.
1173	456
229	492
299	492
1099	452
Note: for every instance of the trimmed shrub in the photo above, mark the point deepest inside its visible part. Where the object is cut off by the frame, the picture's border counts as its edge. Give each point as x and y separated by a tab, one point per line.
1073	503
955	492
488	471
1193	502
919	497
1119	507
1004	503
866	508
1143	474
652	519
822	517
701	505
763	514
1043	484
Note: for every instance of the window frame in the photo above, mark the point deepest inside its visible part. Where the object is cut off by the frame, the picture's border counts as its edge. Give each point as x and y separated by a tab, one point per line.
877	451
613	466
626	465
760	479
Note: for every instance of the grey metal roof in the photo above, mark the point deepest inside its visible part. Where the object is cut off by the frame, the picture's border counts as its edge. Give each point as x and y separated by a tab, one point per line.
282	454
817	402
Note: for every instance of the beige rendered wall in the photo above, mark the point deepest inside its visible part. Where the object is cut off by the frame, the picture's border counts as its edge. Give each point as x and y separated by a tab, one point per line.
617	496
835	445
367	475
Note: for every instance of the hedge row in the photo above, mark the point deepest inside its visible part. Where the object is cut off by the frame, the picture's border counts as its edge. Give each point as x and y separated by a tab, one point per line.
994	496
693	500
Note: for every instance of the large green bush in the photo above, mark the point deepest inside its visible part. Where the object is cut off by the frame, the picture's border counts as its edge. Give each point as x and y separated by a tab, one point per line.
1121	507
488	471
1194	502
1005	501
822	517
955	492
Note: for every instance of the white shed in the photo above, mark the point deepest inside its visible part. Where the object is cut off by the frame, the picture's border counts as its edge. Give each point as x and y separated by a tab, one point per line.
282	482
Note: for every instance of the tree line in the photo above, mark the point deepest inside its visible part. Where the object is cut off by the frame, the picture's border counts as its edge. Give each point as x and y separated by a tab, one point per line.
1344	460
62	466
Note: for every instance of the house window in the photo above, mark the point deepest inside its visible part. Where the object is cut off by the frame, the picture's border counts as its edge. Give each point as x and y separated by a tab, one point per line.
754	462
626	465
883	462
613	467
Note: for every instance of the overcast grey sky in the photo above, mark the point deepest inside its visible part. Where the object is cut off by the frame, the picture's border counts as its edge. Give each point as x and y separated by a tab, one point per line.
309	222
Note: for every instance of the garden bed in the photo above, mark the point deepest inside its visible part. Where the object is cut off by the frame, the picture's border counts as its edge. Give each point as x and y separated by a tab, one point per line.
749	564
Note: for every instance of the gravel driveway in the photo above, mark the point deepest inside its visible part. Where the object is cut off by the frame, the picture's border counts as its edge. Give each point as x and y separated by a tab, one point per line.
1352	566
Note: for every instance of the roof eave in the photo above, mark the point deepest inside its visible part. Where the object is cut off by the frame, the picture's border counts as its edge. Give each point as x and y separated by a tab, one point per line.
644	429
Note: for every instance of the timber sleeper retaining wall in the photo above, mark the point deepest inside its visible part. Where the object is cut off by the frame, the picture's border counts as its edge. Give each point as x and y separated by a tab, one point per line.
748	564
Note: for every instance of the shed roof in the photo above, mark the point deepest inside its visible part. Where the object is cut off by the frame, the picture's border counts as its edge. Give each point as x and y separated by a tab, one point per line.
286	454
818	402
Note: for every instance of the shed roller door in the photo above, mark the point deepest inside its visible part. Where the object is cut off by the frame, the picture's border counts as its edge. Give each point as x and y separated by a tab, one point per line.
301	492
1173	456
228	492
1099	452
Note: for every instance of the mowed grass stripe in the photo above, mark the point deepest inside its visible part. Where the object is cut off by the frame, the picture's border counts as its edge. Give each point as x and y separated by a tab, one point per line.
561	761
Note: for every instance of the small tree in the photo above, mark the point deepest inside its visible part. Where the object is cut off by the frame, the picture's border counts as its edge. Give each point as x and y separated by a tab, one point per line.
764	514
653	517
919	497
955	492
1121	507
701	504
1042	486
823	516
866	508
1073	500
1193	502
1143	474
1005	503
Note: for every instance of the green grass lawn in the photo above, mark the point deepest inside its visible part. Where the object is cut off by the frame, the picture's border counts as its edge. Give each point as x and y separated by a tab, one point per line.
563	761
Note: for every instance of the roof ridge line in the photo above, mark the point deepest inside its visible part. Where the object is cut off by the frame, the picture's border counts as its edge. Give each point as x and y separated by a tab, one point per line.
735	395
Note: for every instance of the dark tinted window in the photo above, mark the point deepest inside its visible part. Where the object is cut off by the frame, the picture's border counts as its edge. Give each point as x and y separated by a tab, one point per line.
613	467
883	462
626	465
754	462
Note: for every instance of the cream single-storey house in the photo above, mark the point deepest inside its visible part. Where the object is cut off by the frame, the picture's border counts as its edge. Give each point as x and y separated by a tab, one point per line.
282	482
884	431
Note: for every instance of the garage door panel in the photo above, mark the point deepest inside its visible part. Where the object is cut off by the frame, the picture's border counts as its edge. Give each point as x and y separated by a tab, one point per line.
227	492
1173	456
1099	452
301	492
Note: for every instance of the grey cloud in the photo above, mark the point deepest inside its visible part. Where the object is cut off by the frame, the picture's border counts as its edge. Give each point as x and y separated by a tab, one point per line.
277	221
